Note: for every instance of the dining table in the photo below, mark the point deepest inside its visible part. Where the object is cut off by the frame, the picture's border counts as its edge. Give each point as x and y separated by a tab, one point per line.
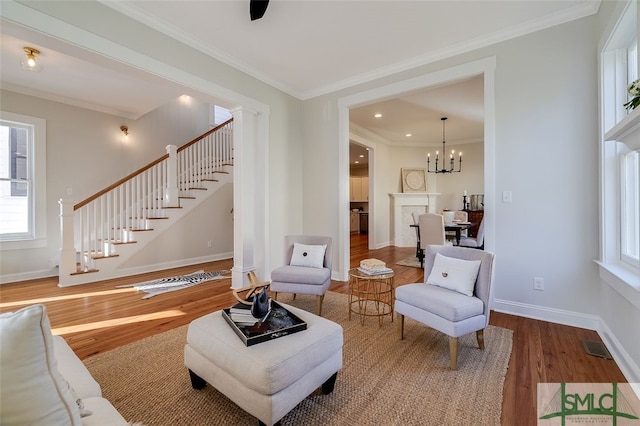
456	227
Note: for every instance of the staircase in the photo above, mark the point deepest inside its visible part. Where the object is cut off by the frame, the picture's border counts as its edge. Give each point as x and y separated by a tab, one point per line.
100	233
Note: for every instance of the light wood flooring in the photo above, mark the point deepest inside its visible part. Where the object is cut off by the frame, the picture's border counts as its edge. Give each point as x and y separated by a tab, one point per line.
97	317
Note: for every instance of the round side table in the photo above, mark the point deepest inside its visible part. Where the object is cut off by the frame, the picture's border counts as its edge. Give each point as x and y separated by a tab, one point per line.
371	295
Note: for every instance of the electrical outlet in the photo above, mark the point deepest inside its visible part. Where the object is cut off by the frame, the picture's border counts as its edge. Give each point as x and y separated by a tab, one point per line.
69	191
538	283
209	243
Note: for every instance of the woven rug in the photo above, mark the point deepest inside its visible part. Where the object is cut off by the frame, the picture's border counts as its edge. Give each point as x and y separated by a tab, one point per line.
166	285
383	381
409	261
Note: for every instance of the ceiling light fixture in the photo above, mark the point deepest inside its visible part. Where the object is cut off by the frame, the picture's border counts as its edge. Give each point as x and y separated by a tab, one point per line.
30	63
378	115
451	161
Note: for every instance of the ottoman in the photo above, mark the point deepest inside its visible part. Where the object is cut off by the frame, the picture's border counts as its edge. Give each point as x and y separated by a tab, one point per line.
268	379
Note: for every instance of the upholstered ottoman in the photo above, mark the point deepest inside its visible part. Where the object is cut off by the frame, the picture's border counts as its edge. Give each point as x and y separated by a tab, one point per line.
268	379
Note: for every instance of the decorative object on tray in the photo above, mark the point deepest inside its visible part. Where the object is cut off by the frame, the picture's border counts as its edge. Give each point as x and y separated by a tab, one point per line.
256	318
253	304
254	287
414	180
374	267
278	323
165	285
634	91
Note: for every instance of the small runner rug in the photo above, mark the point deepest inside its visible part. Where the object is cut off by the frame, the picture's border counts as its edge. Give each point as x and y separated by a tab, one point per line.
383	381
165	285
409	261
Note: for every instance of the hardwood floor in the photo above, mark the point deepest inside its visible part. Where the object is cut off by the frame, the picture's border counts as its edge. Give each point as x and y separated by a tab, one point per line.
98	317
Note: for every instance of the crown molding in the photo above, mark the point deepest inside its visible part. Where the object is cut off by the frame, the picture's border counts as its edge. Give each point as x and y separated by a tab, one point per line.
582	10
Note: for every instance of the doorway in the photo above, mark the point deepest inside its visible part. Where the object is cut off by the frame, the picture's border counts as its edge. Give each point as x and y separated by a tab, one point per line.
383	236
359	190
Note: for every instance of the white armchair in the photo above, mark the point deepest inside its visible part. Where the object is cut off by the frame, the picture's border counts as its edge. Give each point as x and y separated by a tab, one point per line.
451	301
307	269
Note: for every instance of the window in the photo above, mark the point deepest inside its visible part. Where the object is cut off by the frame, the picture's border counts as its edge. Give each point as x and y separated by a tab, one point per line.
22	181
630	207
619	156
219	115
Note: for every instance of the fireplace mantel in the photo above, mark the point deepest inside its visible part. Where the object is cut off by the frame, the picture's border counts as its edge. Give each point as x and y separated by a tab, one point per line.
403	205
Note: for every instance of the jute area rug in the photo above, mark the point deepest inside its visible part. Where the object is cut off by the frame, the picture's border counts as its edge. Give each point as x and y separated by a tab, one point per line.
383	381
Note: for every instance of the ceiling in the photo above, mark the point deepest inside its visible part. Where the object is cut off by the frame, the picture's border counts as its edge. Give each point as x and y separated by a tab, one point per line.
335	44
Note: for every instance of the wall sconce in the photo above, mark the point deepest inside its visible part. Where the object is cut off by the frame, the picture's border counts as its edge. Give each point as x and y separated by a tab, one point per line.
30	62
125	131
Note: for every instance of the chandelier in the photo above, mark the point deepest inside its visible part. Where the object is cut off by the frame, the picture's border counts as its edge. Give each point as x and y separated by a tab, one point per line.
451	168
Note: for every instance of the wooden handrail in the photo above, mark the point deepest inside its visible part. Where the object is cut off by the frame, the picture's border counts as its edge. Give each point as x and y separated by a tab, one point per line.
118	183
188	144
145	168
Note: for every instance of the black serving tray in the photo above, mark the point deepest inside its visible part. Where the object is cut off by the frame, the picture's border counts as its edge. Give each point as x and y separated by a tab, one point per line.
280	322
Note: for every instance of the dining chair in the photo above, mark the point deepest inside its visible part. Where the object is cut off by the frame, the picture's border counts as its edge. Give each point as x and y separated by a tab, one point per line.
431	226
416	221
477	241
459	216
307	269
455	296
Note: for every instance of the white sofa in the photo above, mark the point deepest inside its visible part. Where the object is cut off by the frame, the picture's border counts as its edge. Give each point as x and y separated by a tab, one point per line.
43	382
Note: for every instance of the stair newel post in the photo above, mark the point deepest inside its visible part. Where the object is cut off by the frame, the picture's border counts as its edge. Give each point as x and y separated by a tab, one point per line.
171	192
67	249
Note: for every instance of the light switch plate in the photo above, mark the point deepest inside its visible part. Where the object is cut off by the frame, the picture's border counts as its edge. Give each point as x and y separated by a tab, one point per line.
507	197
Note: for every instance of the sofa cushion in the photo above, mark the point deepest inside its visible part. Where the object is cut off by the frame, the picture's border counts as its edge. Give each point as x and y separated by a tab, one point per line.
32	391
74	371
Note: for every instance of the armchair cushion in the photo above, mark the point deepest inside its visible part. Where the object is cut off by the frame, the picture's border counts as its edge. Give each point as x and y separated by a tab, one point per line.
308	255
301	275
454	274
444	303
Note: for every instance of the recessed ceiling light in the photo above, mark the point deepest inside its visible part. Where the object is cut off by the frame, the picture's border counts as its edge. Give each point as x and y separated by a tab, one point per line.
356	162
361	155
408	135
378	115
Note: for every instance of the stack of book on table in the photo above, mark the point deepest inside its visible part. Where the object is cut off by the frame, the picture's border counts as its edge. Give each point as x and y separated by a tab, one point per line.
374	267
241	314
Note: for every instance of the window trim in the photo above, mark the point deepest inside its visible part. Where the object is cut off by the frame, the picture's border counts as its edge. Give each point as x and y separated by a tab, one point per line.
619	130
39	199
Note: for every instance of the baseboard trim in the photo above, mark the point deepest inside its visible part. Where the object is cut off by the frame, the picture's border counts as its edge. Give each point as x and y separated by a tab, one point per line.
34	275
26	276
629	368
558	316
627	365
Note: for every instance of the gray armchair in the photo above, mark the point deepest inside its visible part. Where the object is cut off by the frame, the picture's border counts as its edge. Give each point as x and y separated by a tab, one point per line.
448	311
303	279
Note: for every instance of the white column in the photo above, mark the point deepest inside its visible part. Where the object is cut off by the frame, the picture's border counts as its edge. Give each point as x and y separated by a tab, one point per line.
172	193
67	248
244	188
